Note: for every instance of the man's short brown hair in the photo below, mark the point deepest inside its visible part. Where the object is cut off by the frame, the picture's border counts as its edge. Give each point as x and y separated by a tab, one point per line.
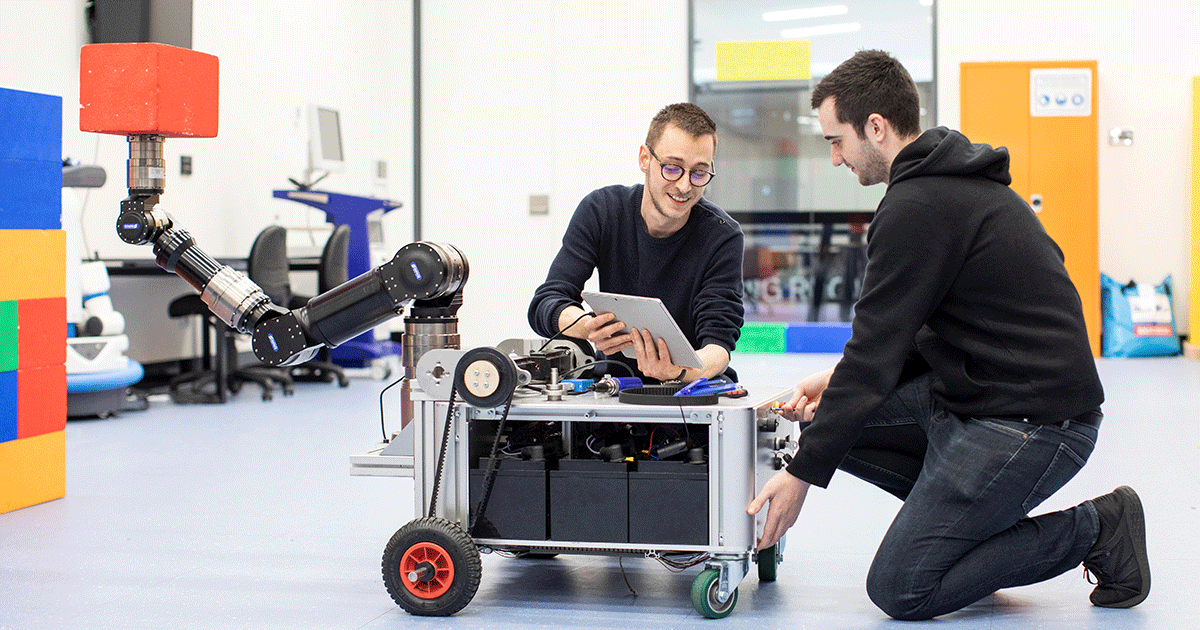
872	82
687	117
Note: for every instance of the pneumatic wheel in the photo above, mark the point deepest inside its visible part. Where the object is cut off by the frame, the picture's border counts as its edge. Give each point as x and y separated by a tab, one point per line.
704	595
431	567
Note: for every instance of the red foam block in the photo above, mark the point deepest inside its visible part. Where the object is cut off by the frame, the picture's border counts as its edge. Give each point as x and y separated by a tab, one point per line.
41	332
147	88
41	400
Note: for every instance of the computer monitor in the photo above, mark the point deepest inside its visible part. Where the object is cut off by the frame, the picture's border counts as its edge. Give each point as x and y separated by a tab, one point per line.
325	140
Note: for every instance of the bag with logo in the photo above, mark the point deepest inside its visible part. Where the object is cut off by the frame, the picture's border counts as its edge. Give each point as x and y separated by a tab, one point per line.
1138	319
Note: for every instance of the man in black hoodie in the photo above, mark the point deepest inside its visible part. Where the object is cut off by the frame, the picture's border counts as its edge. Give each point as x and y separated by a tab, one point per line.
968	388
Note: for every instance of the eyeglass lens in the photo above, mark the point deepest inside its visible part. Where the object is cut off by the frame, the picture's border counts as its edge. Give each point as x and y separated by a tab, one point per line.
672	172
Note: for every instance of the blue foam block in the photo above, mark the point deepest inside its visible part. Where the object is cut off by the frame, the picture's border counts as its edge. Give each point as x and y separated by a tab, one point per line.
30	126
8	406
30	195
817	337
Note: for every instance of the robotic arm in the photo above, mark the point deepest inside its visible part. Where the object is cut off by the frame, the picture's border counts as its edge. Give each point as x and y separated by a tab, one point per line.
429	275
149	91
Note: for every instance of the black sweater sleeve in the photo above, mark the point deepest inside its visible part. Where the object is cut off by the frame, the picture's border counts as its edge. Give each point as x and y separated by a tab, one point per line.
579	255
912	257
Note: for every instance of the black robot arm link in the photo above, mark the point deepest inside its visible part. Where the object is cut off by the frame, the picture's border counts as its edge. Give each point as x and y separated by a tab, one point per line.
429	275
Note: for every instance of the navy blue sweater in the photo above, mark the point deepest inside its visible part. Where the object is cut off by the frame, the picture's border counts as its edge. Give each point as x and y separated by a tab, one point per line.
961	273
696	272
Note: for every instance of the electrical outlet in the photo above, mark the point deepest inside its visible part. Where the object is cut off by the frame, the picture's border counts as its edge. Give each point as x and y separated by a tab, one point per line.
185	165
539	204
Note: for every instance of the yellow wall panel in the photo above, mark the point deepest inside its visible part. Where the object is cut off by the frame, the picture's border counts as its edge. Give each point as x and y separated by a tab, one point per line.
34	471
32	264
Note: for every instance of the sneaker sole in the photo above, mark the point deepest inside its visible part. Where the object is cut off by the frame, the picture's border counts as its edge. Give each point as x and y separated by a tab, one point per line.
1135	518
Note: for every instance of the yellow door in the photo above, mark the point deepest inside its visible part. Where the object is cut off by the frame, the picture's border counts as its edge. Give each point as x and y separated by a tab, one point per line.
1055	156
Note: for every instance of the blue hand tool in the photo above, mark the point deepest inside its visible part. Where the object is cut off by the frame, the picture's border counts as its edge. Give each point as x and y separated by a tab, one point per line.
691	387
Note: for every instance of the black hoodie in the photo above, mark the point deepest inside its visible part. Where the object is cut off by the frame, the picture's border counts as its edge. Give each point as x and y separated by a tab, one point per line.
962	277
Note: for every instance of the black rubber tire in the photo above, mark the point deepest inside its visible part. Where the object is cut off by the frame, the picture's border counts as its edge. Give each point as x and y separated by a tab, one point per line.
459	551
768	563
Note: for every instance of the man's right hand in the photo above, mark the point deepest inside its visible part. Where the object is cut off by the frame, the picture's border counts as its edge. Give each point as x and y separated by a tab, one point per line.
604	332
806	397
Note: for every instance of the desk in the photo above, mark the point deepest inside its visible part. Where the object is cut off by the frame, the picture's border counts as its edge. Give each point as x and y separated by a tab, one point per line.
147	266
141	291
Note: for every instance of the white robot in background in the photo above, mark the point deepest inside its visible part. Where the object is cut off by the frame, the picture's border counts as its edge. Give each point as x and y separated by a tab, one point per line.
97	369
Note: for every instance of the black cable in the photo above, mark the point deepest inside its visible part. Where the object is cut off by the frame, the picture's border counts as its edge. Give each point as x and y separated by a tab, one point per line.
594	364
560	334
382	425
627	584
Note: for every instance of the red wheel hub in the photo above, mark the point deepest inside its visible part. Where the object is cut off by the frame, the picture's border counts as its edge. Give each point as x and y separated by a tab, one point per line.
426	570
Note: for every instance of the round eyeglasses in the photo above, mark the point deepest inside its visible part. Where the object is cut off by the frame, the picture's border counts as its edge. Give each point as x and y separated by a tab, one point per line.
672	172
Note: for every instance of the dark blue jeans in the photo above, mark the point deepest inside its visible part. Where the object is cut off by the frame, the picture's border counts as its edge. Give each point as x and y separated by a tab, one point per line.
968	486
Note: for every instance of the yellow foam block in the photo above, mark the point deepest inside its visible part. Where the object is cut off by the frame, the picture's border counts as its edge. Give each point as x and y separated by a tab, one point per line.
33	264
34	471
764	61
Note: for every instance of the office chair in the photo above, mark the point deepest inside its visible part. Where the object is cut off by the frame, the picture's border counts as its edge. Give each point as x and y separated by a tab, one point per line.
331	272
267	266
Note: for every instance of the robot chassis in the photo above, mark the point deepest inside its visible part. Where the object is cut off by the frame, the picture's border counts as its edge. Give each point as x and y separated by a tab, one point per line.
431	566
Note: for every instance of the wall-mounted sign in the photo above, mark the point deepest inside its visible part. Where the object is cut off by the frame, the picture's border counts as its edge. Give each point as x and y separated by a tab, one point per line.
1060	92
763	61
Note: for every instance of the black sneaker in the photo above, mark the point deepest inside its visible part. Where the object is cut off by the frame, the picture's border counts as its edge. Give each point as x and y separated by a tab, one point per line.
1118	560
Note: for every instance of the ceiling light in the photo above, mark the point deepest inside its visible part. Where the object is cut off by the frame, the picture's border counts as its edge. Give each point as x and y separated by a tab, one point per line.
800	14
812	31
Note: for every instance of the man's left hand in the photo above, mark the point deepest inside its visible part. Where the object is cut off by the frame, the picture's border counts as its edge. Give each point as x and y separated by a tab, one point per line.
785	493
654	360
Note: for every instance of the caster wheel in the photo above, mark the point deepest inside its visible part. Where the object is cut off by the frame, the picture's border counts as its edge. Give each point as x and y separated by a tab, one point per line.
704	595
431	567
768	563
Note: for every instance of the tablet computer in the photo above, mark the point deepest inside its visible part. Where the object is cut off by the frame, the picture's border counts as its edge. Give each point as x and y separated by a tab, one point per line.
647	313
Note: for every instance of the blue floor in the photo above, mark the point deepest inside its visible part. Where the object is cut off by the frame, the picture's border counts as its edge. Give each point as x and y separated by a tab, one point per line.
245	516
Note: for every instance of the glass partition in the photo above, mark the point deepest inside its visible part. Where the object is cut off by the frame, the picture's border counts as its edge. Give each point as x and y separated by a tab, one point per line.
804	219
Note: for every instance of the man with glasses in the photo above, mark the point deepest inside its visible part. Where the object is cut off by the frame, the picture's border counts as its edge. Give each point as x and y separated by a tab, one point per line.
658	239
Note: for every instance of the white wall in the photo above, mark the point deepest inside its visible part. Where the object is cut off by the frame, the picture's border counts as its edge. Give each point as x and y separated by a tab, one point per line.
553	97
534	97
275	56
561	94
1146	54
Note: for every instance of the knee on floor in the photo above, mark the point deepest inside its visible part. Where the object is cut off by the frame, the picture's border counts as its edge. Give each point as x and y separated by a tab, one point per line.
899	602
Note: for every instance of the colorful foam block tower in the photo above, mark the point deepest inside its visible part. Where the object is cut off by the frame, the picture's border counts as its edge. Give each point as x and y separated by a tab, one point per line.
147	88
33	308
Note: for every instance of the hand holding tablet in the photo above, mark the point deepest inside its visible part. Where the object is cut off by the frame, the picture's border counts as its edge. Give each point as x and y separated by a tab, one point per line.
646	313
